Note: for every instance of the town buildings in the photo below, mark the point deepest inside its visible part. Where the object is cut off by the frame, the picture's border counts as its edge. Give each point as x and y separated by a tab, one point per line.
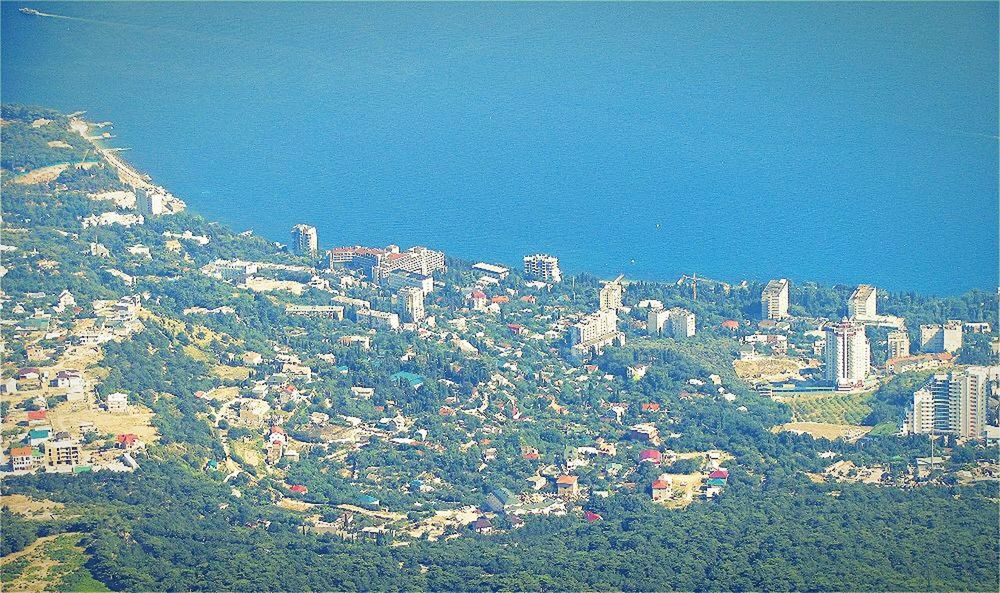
676	323
377	264
398	279
378	319
861	306
498	273
305	241
611	295
542	267
848	355
412	303
774	300
951	404
335	312
117	402
149	201
594	332
898	344
946	337
63	454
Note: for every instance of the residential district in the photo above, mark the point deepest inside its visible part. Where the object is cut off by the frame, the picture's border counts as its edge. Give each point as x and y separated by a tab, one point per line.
385	392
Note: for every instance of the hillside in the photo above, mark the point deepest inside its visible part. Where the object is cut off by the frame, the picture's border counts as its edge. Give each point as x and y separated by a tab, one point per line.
257	430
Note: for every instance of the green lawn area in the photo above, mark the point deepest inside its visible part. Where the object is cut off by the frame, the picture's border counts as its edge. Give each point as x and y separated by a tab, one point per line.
56	564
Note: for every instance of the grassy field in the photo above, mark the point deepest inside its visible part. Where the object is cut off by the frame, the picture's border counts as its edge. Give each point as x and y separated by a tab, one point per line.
825	430
829	407
29	507
51	563
231	373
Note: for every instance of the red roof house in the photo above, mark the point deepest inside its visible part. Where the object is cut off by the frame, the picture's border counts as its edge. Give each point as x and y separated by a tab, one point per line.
591	516
651	455
720	473
298	489
36	415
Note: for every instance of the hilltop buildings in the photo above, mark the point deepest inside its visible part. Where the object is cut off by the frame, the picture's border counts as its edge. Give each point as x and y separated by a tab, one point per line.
945	337
378	264
862	304
497	273
950	403
774	300
304	240
542	267
848	355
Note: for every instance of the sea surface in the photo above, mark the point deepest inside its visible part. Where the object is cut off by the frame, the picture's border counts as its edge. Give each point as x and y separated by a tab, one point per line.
841	143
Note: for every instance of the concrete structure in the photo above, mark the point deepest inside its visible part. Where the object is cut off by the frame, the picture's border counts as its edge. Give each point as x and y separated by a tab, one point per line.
656	321
676	323
335	312
848	355
305	241
611	295
379	319
681	323
235	271
398	279
491	271
861	306
951	404
542	267
898	344
774	300
118	403
22	458
63	454
412	303
149	201
594	332
941	338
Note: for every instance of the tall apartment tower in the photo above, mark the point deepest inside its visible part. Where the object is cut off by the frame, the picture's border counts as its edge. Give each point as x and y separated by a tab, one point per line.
412	303
656	321
542	267
611	295
861	305
898	344
941	338
148	201
951	403
304	240
848	355
774	300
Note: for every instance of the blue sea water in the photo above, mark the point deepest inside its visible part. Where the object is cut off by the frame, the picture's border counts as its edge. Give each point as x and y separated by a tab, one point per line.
835	142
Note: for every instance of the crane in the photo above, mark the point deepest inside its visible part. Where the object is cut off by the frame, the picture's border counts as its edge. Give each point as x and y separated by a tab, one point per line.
694	279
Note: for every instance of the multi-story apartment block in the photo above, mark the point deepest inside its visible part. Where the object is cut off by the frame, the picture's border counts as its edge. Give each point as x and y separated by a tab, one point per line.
542	267
380	319
594	332
149	201
305	240
398	279
491	271
945	337
611	295
681	323
848	355
898	344
656	321
412	303
862	304
63	454
774	300
951	403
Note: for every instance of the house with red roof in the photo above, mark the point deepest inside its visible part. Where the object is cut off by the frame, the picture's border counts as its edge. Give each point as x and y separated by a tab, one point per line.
501	299
663	488
37	417
650	407
28	373
127	441
298	489
650	455
731	324
719	474
591	516
479	300
567	486
22	458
